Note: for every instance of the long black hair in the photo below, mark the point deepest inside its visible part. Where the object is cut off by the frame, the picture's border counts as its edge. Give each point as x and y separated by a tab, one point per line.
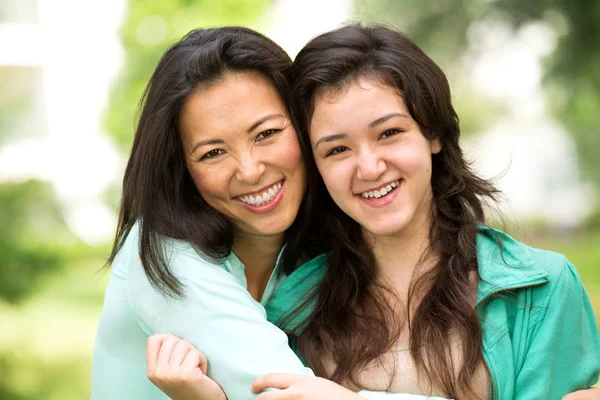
352	323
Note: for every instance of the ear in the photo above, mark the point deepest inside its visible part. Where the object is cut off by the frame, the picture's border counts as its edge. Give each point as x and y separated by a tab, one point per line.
436	146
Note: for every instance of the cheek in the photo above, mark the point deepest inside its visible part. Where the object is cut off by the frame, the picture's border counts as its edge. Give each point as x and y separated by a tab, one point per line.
210	181
286	153
337	176
413	161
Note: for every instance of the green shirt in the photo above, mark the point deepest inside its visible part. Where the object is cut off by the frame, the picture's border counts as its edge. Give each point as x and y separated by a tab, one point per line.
540	336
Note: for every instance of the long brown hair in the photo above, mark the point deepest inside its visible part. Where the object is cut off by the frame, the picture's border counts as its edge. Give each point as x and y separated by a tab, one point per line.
352	323
158	190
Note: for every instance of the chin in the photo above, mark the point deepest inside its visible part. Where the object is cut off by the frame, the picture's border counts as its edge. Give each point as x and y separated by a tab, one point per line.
386	228
274	228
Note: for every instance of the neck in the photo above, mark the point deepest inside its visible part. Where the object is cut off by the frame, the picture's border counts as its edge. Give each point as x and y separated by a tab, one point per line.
259	254
403	256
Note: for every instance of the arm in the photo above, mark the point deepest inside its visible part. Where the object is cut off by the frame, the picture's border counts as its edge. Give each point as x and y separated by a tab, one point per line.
218	316
587	394
564	349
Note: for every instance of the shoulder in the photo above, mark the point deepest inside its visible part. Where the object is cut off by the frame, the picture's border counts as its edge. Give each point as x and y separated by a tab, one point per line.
506	262
182	258
304	278
292	295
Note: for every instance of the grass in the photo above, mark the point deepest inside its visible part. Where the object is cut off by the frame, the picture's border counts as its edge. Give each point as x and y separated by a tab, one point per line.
46	343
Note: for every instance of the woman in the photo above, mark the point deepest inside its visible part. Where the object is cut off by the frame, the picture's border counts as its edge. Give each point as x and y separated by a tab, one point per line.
428	299
415	294
213	185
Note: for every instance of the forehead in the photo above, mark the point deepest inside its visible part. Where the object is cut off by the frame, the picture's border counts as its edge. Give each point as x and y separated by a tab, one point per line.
355	104
233	103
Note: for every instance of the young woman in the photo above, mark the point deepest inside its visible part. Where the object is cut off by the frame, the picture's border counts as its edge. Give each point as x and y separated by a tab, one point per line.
416	294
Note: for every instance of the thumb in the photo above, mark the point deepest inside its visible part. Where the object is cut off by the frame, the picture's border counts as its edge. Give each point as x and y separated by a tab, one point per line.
278	381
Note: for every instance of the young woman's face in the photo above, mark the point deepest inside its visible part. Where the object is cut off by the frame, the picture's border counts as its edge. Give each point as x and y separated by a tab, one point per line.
243	154
373	158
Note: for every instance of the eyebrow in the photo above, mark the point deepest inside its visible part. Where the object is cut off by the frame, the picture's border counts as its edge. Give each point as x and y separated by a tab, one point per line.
381	120
330	138
206	143
263	120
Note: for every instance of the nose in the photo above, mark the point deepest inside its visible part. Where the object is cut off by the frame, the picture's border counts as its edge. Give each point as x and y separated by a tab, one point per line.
370	166
250	168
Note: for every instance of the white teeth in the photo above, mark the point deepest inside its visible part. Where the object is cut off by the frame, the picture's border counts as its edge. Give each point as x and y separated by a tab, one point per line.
381	192
265	197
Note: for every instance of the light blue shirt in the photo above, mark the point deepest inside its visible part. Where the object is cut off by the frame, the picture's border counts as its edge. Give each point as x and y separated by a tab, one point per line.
217	315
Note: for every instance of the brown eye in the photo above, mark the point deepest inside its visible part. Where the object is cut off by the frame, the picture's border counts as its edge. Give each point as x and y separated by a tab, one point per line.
390	132
212	154
336	150
265	134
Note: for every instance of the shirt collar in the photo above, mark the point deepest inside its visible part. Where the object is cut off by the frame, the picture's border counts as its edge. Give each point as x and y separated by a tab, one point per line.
235	267
504	263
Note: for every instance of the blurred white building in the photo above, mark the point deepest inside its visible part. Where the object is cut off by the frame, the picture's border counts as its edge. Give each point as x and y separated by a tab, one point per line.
57	59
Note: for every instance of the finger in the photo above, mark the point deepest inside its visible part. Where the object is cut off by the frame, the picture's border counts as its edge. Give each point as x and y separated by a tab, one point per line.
192	360
279	381
180	350
152	348
272	395
166	349
202	363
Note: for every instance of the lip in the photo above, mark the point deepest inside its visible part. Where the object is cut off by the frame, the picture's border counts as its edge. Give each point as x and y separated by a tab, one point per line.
264	208
382	201
378	187
261	190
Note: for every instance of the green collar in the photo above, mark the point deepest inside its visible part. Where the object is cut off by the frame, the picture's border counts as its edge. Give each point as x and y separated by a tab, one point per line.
504	264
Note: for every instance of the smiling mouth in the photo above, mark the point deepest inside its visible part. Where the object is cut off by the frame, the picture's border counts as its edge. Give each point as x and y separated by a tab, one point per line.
263	197
381	192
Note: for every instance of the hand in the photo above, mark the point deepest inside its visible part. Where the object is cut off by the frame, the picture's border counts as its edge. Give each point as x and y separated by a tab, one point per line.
300	387
587	394
179	369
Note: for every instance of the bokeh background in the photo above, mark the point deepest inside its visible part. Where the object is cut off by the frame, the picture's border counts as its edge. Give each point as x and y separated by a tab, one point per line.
526	83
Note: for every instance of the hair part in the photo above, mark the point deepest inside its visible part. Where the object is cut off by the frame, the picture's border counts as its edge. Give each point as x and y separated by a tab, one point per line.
352	322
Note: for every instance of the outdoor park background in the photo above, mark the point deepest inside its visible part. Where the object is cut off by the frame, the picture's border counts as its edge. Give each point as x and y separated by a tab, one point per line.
526	83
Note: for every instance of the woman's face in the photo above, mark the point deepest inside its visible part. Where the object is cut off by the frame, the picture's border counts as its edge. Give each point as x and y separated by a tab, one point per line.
243	154
373	158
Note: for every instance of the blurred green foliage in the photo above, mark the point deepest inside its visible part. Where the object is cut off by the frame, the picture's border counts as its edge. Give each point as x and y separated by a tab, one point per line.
150	26
32	228
572	70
